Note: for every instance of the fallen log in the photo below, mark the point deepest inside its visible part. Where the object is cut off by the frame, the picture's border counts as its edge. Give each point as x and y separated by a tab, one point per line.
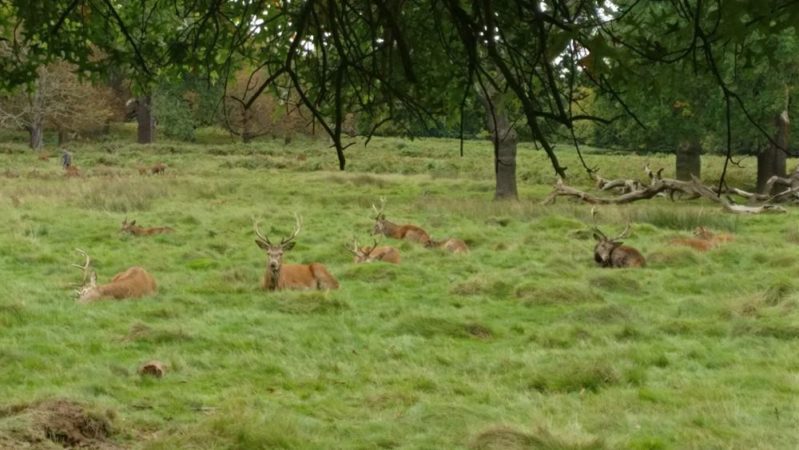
658	185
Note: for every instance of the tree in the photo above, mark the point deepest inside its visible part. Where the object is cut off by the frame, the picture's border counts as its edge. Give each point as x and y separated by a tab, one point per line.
57	100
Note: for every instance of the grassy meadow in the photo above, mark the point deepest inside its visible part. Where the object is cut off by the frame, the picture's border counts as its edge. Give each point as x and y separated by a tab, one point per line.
524	343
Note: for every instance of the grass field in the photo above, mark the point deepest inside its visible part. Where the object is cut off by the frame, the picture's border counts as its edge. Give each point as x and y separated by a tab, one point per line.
522	344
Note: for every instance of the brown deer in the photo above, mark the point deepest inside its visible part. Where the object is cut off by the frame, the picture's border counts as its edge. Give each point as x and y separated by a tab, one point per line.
453	245
701	245
279	276
71	171
392	230
132	283
368	254
611	253
132	228
159	168
707	235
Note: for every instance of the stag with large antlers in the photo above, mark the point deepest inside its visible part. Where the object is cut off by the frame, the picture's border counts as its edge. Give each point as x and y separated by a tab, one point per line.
366	254
132	283
609	252
280	276
392	230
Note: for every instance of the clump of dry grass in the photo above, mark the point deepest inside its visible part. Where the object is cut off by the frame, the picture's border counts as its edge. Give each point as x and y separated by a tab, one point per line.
504	437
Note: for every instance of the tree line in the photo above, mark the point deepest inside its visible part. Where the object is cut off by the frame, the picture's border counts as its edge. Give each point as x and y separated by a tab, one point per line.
689	76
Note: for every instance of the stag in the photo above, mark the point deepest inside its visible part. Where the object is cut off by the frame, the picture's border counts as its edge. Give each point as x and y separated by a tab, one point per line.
392	230
279	276
132	283
609	252
132	228
368	254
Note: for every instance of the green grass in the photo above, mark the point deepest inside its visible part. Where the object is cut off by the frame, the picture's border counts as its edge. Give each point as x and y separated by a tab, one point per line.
521	344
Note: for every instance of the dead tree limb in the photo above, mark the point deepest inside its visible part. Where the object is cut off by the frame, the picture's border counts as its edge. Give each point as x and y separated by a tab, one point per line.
693	189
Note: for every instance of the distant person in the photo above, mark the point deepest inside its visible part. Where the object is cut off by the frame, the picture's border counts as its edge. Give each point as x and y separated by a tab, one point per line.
66	159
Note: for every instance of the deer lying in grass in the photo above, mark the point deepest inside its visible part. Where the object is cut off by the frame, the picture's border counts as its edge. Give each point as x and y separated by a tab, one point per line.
71	171
707	235
611	253
392	230
155	169
701	245
704	239
132	283
279	276
132	228
453	245
368	254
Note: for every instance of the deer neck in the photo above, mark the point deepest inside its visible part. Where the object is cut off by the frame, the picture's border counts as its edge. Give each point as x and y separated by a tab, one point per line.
271	278
390	228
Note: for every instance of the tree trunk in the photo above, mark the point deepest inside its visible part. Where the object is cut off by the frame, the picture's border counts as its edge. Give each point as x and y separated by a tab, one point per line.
36	131
771	161
246	132
689	161
504	138
145	119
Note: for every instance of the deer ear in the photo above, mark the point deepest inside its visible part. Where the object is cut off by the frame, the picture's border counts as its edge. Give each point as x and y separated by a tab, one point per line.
133	222
597	236
93	279
262	244
289	246
381	216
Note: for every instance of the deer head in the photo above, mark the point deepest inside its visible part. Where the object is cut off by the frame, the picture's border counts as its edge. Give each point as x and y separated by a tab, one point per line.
380	218
127	226
362	254
605	245
88	291
275	251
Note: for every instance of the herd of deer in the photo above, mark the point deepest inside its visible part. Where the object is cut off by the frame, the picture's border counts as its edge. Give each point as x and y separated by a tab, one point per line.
137	282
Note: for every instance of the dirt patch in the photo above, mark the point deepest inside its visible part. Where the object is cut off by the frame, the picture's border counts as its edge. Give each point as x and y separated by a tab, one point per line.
53	424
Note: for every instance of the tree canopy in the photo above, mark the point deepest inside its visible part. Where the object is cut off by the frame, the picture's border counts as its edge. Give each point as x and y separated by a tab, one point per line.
409	62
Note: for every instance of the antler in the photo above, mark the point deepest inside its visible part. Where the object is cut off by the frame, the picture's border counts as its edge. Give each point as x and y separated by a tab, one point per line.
85	266
382	206
371	249
595	227
354	249
297	229
624	234
258	233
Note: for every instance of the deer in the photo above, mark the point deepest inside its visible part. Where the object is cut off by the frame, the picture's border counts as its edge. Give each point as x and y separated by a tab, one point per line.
279	276
368	254
701	245
453	245
159	168
611	253
132	228
134	282
71	171
707	235
392	230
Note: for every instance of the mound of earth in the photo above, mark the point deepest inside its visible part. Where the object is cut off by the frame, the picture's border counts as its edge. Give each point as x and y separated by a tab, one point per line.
54	424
